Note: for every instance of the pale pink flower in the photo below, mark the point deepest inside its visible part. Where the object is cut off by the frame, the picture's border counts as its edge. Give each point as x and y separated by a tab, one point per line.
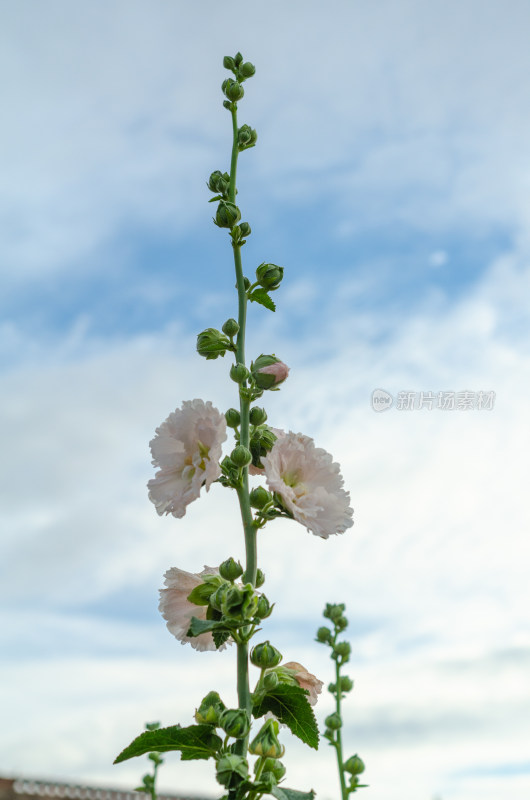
305	680
177	609
309	484
279	370
187	448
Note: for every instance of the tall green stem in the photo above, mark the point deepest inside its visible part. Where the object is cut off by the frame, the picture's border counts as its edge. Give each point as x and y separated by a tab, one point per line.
243	689
338	739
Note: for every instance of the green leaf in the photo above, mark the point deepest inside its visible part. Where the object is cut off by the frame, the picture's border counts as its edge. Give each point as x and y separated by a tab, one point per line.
260	296
195	741
198	626
290	705
282	793
220	637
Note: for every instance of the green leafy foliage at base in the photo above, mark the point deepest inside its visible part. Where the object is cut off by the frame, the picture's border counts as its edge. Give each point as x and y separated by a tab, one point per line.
193	742
290	705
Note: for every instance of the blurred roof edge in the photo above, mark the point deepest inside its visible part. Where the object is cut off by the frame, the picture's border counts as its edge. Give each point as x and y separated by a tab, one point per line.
43	789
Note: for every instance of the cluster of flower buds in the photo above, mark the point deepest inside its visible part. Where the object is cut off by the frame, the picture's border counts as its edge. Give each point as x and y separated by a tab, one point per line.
234	609
241	70
231	767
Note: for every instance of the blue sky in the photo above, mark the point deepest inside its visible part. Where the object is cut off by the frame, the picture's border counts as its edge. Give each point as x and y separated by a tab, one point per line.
391	180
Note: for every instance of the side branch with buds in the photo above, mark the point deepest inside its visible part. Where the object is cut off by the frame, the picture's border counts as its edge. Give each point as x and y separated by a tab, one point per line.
340	653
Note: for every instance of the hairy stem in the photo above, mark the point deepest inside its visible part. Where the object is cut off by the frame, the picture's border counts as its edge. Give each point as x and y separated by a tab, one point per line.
338	733
243	689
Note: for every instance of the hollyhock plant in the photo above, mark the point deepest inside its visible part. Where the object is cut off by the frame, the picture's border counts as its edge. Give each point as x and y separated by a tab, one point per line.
187	448
309	483
223	606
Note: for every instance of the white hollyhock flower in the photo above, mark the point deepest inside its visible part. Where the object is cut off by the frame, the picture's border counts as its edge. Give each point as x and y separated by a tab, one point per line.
187	448
306	680
177	609
309	484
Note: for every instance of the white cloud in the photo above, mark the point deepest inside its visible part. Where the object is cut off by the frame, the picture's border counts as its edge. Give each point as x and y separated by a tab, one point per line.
434	572
402	114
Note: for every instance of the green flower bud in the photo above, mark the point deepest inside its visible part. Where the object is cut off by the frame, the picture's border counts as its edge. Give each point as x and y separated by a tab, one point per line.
333	722
260	578
332	687
247	70
269	276
239	373
257	415
245	229
227	104
354	765
261	441
230	327
232	89
230	569
259	497
267	781
238	59
227	214
324	635
235	722
274	766
264	608
264	655
346	684
228	62
211	343
246	137
233	417
210	709
342	649
239	603
219	182
268	371
266	742
270	680
334	610
341	623
241	456
216	599
231	770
